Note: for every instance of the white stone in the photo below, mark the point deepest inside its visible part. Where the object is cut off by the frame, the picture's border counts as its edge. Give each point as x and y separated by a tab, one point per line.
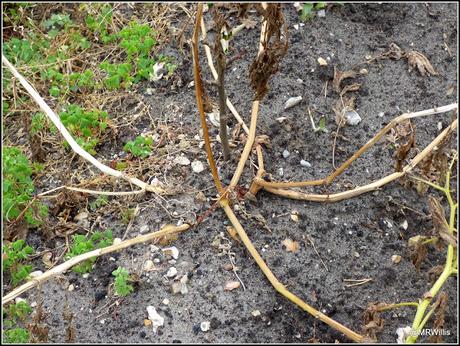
35	274
205	326
144	229
172	272
352	117
182	160
197	166
155	318
286	154
291	102
304	163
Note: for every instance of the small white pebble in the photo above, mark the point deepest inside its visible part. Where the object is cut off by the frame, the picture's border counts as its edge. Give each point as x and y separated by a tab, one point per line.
205	326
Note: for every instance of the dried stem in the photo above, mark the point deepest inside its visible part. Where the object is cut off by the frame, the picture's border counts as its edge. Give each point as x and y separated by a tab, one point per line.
221	64
253	126
199	99
215	76
68	137
363	149
366	188
62	268
278	285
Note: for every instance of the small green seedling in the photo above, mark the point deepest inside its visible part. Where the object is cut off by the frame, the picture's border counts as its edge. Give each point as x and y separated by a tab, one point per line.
309	9
11	315
99	202
140	147
122	288
81	245
18	189
87	126
16	336
127	215
13	257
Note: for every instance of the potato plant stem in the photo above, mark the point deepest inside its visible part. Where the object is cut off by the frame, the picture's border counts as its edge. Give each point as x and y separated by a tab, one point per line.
278	285
221	62
62	268
449	267
199	99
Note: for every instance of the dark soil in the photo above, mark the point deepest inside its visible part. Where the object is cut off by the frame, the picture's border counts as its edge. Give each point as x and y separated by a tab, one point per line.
355	238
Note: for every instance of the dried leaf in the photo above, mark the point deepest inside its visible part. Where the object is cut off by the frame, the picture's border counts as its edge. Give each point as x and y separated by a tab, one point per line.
348	88
418	255
394	52
440	318
438	215
403	149
434	273
340	76
291	245
231	285
373	323
233	233
420	61
249	23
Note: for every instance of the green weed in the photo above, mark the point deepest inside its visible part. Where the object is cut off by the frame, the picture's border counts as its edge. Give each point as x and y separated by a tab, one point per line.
86	126
14	312
14	255
81	245
122	288
309	9
18	188
140	147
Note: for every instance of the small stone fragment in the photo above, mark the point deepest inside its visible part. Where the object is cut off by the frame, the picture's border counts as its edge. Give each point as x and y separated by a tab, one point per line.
205	326
352	117
71	288
182	160
197	166
165	301
304	163
171	251
396	259
155	318
321	13
291	102
295	216
148	265
404	225
255	313
35	274
144	229
286	154
172	272
322	61
231	285
116	241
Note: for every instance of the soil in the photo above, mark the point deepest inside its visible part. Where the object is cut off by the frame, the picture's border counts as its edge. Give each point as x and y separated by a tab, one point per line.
354	239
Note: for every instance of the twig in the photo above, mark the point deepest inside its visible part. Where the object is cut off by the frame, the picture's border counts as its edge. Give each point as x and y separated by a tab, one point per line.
370	187
169	229
278	285
314	247
199	99
215	76
364	148
68	137
357	282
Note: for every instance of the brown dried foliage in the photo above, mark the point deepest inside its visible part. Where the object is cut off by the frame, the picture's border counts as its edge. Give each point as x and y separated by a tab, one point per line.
403	149
440	318
373	323
267	62
418	255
